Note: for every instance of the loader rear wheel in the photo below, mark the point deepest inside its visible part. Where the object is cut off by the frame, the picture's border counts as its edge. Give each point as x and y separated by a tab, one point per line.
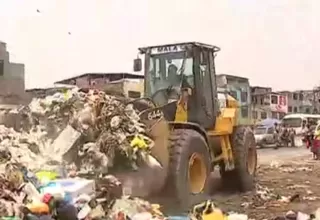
189	167
245	160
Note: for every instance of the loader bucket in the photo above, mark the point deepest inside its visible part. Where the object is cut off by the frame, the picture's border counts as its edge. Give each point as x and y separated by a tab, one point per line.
150	178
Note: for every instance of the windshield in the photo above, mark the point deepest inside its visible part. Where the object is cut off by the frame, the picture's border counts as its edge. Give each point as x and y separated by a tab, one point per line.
166	71
260	130
292	122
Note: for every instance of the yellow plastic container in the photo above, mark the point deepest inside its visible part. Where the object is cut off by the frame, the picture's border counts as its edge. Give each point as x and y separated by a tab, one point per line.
46	176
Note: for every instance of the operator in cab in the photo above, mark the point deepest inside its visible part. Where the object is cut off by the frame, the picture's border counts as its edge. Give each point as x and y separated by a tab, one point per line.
182	104
173	77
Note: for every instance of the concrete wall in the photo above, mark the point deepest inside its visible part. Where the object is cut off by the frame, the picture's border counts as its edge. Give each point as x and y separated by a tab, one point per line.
17	71
12	83
122	86
4	55
125	87
135	85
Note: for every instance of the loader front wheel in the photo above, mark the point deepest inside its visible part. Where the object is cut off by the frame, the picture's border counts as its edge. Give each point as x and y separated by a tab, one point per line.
245	160
189	167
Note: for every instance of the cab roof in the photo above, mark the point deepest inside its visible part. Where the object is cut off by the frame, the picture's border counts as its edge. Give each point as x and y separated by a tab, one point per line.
208	46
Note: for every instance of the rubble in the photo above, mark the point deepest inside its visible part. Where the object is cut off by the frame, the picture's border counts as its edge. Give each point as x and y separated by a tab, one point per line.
95	127
72	133
19	197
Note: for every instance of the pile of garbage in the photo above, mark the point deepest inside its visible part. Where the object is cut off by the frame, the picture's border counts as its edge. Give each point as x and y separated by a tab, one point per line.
27	195
89	128
61	137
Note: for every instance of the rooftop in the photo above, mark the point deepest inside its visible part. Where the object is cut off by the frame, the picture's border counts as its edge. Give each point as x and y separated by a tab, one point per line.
123	76
260	87
297	91
50	88
232	77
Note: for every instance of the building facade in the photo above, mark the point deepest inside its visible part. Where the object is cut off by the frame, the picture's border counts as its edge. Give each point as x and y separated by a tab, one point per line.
125	84
239	88
12	79
268	104
303	101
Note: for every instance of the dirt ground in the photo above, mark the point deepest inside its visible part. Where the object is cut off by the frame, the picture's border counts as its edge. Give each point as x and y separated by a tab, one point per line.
298	179
278	181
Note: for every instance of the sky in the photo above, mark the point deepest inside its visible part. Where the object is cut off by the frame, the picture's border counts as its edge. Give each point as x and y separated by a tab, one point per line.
274	43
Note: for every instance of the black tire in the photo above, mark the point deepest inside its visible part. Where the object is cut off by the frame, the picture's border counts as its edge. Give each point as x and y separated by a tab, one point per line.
240	178
183	144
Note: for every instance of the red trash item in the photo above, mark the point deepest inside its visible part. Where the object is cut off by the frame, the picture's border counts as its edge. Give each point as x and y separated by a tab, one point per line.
46	198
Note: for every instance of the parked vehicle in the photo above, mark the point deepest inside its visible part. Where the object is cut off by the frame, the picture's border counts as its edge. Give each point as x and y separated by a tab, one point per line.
265	135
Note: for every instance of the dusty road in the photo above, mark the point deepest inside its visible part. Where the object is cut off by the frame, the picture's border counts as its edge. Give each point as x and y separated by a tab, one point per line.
267	155
280	172
284	173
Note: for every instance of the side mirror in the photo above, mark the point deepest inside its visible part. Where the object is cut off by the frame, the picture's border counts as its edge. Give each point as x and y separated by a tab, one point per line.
137	65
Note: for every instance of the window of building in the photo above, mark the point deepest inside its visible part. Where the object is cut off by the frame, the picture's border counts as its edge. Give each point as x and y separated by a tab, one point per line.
254	100
300	96
255	114
274	115
295	109
274	99
244	112
261	100
134	94
244	96
307	110
263	115
289	108
1	67
295	96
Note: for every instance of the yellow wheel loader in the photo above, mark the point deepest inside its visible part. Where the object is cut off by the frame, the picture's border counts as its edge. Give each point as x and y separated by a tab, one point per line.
194	127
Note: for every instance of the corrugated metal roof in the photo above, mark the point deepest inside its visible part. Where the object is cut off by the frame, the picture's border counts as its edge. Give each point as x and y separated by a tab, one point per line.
125	75
232	76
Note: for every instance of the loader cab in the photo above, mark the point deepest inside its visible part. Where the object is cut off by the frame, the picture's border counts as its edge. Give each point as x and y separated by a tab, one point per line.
170	70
